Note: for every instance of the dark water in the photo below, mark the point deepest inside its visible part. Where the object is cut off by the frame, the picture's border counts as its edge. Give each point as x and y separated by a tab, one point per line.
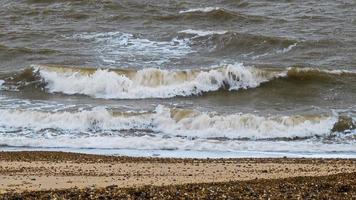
212	76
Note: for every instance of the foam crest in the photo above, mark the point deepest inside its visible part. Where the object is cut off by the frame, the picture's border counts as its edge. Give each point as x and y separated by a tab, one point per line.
154	83
313	71
202	33
205	10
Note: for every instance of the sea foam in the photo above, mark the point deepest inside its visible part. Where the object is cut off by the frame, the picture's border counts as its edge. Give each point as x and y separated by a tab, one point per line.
171	122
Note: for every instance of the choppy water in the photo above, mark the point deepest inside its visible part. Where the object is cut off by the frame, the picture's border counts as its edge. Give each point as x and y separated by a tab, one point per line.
220	78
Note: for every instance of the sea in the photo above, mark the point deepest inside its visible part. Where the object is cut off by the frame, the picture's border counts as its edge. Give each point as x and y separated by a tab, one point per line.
178	78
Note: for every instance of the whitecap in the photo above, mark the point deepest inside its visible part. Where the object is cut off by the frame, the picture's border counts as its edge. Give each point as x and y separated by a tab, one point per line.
206	9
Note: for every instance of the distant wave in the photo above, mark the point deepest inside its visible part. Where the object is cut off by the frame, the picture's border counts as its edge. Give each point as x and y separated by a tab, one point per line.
202	33
308	73
206	9
212	13
13	51
313	71
221	41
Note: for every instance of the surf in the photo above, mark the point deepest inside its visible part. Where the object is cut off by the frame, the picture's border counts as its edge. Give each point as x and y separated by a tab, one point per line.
166	121
116	83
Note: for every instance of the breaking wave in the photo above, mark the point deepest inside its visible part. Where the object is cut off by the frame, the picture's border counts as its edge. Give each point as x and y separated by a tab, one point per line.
157	83
151	82
164	122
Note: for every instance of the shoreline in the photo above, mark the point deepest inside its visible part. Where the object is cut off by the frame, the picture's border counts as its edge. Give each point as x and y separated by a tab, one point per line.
38	173
187	154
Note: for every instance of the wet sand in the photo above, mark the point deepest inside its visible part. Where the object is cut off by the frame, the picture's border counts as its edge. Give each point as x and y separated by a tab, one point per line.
24	174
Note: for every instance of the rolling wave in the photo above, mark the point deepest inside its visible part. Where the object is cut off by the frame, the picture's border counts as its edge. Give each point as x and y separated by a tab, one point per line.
157	83
151	82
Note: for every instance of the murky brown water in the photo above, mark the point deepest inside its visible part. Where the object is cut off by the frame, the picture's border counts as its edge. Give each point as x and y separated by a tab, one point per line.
248	75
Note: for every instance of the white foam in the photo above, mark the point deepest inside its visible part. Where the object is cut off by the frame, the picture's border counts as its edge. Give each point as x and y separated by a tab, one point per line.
285	50
164	122
155	143
202	33
206	10
154	83
163	130
122	48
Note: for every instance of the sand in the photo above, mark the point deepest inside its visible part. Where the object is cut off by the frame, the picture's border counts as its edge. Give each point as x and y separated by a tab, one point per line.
57	171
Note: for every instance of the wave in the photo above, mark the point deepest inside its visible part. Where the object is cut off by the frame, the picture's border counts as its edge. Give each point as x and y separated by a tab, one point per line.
166	122
18	80
222	42
217	13
315	74
202	33
120	47
158	83
205	10
15	51
151	82
211	13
